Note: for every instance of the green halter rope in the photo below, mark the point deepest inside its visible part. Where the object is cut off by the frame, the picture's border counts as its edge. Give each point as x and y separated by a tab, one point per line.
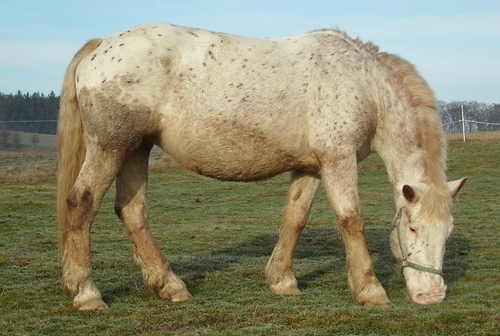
406	262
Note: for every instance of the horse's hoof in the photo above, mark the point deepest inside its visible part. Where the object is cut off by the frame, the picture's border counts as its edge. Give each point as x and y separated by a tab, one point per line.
95	304
178	294
385	303
288	291
180	297
373	295
282	288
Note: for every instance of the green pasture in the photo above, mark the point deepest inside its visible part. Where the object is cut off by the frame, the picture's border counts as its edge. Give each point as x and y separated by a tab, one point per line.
219	235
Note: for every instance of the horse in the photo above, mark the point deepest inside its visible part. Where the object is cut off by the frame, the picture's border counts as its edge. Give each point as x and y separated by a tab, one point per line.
244	109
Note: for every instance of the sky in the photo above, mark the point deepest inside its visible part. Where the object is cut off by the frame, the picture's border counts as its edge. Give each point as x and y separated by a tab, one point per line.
455	45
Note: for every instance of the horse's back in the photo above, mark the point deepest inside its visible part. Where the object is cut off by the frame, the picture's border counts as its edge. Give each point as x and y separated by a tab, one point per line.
226	106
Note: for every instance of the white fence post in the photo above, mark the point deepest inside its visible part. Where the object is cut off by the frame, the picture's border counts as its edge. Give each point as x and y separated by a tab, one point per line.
463	123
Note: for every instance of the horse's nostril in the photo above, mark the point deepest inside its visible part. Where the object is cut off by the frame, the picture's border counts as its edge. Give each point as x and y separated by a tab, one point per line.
419	298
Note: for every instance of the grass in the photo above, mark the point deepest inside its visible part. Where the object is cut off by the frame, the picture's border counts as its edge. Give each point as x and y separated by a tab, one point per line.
219	235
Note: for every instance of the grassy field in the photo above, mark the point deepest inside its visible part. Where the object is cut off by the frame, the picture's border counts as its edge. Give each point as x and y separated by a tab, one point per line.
219	235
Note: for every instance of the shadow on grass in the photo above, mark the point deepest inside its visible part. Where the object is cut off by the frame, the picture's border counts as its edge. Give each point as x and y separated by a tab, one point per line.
320	243
456	261
313	244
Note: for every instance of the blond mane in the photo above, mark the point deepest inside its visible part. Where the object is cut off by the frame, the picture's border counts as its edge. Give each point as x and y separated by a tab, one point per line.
436	201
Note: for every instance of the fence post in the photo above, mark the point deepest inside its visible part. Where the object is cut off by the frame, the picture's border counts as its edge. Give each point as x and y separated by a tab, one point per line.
463	123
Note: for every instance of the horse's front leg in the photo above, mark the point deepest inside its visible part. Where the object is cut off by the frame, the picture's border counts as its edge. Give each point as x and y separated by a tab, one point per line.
130	206
341	184
279	268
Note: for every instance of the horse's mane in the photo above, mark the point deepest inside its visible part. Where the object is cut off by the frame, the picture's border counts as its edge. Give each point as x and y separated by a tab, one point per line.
430	135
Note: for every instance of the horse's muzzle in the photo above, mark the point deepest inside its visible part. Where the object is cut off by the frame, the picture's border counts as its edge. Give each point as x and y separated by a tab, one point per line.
427	299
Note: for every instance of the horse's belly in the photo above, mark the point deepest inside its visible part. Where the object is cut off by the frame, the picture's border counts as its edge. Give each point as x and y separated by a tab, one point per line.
244	168
235	152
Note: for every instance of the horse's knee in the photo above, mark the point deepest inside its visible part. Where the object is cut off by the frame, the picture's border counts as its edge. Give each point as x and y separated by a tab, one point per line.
352	225
83	202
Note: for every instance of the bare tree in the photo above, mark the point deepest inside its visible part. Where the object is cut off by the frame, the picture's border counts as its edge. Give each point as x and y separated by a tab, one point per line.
16	139
4	135
35	140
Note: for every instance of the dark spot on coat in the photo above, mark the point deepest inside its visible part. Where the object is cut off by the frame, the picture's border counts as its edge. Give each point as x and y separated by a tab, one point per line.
210	53
370	272
85	200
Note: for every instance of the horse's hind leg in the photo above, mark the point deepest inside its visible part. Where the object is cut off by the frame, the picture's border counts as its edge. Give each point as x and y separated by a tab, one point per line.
279	268
131	184
84	199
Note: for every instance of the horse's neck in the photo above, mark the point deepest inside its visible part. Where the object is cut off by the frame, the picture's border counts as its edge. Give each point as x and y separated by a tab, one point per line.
409	135
403	165
397	144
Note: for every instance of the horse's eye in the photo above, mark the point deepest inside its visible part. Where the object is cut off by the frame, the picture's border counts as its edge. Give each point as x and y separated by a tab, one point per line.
413	230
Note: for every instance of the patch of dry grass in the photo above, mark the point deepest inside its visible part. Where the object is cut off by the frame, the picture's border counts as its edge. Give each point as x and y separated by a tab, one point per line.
27	164
476	136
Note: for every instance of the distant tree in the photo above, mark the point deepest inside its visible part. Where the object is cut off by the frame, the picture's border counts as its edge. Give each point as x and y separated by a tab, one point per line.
4	136
494	114
35	140
16	139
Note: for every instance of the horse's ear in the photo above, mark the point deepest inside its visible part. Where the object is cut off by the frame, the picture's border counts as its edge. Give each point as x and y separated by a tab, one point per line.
409	193
455	186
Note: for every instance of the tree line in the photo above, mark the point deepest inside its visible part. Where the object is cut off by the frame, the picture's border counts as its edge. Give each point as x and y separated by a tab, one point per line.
479	117
37	113
25	112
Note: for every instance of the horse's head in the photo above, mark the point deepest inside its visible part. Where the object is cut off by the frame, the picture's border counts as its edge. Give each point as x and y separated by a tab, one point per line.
420	229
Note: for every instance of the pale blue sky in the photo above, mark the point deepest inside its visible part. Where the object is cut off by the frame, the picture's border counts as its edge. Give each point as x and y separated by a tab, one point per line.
454	44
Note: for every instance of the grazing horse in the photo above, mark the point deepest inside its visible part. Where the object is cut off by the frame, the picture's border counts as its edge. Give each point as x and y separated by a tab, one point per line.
244	109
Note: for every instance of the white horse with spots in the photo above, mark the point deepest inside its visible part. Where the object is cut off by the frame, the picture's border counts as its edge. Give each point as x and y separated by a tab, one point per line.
242	109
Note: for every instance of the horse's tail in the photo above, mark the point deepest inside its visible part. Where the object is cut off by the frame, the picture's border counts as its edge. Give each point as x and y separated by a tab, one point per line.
71	145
